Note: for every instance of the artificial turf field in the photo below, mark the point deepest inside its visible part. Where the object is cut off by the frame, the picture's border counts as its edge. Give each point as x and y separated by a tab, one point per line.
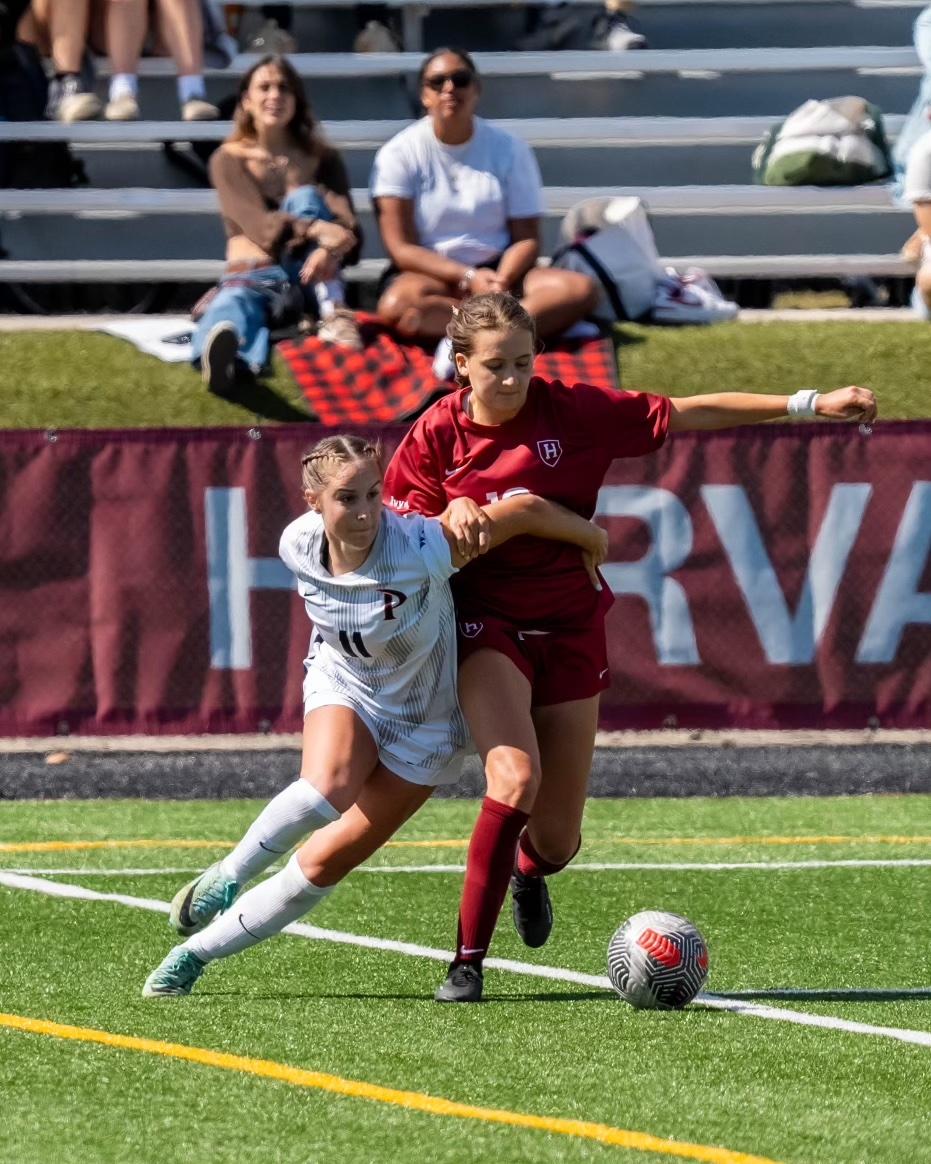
802	931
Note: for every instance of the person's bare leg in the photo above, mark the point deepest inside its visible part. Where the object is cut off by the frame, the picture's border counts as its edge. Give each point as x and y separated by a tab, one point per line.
384	804
68	24
417	306
566	735
558	299
182	26
126	29
495	698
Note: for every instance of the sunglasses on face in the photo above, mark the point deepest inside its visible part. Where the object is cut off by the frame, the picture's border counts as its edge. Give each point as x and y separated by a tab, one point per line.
461	79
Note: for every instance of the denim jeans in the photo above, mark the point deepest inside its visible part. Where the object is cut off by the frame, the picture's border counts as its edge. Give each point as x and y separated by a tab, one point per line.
918	121
243	299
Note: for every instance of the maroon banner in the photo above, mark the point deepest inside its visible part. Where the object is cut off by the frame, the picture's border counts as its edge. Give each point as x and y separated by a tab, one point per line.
776	576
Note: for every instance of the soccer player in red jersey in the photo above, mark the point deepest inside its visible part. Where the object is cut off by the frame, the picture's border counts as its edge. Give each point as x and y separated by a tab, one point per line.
532	651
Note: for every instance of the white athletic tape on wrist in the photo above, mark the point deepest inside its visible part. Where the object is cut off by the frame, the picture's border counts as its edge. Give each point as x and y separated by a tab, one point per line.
802	403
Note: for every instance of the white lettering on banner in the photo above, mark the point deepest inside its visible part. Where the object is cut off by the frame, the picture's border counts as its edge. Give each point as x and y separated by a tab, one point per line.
670	544
785	637
898	600
231	575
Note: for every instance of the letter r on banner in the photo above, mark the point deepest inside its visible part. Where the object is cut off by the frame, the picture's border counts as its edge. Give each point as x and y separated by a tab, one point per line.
671	543
231	576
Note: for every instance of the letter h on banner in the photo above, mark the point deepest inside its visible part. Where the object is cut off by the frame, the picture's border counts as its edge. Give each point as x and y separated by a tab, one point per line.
232	575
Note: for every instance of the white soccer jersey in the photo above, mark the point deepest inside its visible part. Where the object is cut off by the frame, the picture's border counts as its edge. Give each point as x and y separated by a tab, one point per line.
384	641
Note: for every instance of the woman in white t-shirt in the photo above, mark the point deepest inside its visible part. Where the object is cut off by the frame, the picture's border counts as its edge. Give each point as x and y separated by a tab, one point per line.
459	204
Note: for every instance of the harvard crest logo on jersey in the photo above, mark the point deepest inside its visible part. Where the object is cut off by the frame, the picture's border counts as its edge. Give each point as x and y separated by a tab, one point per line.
550	451
471	629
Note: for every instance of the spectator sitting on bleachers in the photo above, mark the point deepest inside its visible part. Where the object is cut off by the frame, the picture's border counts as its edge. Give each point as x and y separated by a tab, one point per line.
274	34
551	26
918	121
59	29
290	225
181	25
459	204
918	248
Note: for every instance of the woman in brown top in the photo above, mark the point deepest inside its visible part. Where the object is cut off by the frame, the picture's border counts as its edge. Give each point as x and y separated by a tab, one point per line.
290	225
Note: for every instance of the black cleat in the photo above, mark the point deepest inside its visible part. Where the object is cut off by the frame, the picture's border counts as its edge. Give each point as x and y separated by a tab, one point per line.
533	911
463	984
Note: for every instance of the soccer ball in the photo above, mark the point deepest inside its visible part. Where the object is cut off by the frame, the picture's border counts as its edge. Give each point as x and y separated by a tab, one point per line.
657	961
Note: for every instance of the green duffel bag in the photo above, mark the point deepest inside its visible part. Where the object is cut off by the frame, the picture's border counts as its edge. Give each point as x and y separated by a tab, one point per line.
838	142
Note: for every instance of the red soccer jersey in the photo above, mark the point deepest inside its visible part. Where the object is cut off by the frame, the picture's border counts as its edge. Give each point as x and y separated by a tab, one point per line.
559	446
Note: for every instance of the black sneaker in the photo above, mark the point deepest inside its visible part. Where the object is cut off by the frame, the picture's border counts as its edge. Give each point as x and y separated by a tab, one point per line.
533	910
218	362
463	984
70	101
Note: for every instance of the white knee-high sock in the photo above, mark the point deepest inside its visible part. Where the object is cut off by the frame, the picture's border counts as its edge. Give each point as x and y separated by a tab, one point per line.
296	811
261	913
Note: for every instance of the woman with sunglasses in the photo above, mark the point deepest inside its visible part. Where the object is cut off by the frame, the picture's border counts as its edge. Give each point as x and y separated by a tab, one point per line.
459	202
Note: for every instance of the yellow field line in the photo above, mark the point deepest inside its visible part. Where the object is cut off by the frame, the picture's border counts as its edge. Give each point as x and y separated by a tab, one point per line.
412	1100
138	843
460	843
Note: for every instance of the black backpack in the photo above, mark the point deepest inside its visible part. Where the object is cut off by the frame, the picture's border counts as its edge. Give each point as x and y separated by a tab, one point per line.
23	97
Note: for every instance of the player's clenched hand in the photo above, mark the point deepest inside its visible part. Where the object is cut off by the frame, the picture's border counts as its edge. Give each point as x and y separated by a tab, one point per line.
469	526
851	403
594	554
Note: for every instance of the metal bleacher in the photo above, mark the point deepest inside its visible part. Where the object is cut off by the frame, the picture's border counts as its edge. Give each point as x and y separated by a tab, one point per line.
674	124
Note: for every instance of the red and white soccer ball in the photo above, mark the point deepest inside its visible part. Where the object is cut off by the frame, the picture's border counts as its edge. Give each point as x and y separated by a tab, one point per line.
657	961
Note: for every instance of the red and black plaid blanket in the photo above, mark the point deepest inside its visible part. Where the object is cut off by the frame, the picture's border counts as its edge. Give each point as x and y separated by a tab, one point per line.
392	378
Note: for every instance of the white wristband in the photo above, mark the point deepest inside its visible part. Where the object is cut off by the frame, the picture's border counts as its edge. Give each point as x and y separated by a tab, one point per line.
802	404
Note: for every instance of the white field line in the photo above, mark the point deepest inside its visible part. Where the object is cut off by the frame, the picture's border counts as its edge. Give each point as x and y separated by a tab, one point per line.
597	981
580	867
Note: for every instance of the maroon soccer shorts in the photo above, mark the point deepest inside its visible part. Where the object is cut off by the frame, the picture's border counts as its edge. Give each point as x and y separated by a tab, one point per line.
560	666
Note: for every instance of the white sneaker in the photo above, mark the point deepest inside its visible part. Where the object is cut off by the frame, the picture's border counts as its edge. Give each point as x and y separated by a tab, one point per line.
691	298
125	108
376	38
614	35
197	109
444	366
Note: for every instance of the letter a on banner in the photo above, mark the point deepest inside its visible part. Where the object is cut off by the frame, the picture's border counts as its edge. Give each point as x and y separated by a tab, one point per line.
786	637
898	600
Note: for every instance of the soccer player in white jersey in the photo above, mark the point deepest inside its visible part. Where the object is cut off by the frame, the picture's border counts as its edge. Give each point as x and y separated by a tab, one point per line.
382	724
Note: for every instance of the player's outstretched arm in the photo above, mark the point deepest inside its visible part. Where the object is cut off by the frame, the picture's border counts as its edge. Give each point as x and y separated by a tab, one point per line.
472	529
729	409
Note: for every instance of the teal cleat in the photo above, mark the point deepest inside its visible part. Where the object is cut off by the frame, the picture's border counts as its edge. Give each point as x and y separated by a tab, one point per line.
175	976
199	902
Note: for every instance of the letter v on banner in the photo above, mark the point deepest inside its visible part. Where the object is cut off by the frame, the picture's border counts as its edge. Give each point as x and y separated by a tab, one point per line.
785	637
232	575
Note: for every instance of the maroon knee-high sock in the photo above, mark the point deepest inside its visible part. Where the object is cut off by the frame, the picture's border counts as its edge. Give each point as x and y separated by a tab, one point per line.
531	864
488	871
